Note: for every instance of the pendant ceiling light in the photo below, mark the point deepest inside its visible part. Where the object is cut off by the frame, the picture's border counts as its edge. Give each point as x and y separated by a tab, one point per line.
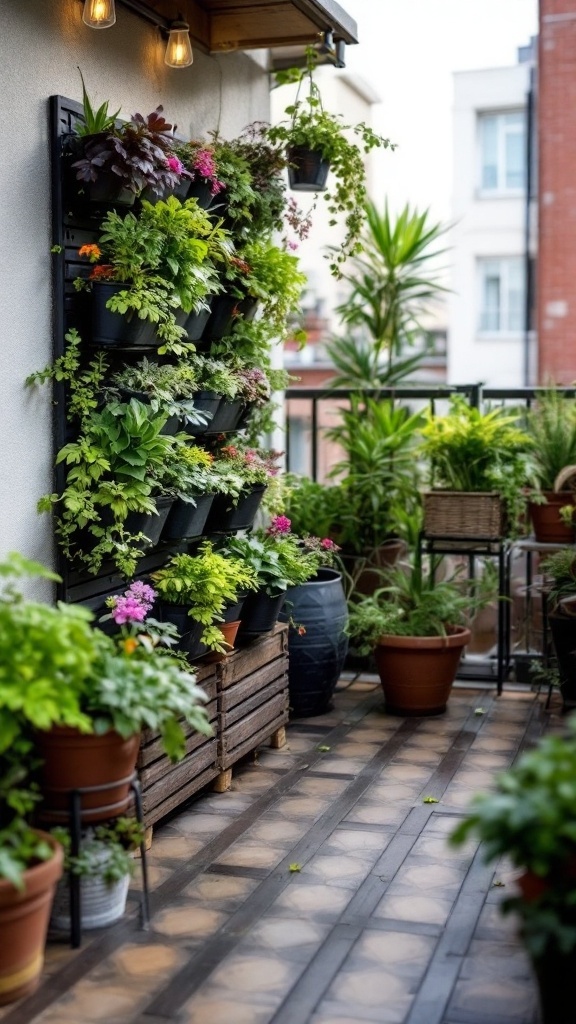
99	13
179	48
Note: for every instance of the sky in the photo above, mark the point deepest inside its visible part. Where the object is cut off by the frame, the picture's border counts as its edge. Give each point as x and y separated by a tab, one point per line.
408	51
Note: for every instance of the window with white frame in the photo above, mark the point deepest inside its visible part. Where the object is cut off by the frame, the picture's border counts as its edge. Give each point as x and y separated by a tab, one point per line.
503	151
501	295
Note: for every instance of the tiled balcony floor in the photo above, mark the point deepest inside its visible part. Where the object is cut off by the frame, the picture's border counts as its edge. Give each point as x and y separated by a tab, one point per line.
382	922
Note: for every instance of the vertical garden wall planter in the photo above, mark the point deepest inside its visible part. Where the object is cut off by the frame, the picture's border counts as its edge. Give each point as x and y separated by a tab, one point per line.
114	330
316	657
226	517
186	521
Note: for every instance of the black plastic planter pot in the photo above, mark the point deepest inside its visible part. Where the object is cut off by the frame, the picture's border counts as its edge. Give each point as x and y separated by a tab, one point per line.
107	190
206	401
307	170
259	614
222	316
150	525
195	324
189	629
186	520
226	417
225	517
115	330
201	190
316	657
563	631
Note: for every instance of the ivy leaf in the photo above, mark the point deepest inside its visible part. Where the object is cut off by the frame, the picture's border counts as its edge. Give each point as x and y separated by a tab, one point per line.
295	867
496	884
323	750
479	711
430	800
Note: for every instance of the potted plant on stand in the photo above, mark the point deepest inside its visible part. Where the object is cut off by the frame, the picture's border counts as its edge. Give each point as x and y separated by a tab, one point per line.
551	423
83	696
529	820
104	866
478	467
559	592
417	629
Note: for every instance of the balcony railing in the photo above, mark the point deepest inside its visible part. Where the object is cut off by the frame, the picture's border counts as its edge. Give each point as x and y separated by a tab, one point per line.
311	411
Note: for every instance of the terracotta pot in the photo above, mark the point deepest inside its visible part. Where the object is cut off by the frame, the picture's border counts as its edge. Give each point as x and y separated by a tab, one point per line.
367	571
229	631
547	525
74	760
417	672
23	925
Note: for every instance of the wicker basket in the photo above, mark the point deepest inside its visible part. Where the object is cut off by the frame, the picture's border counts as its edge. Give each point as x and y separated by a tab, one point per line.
464	514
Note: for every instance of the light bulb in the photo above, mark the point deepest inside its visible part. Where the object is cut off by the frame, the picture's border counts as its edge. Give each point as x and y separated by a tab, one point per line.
99	13
179	48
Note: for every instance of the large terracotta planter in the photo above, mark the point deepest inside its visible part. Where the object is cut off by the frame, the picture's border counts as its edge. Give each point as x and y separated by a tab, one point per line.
23	925
547	525
75	760
417	672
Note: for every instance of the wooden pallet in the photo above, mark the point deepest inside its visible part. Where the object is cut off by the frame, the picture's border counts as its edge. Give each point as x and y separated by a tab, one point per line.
165	786
247	705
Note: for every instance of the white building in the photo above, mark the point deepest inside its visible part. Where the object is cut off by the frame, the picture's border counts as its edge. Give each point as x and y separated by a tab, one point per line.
488	340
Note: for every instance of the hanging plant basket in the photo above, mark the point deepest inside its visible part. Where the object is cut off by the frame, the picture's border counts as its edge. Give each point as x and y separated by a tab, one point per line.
307	169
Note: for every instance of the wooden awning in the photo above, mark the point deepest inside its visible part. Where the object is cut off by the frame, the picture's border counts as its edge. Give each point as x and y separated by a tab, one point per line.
220	25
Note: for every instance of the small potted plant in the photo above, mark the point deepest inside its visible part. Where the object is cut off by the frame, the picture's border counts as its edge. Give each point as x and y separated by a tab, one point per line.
113	504
478	467
200	161
197	592
86	694
31	862
245	473
116	162
417	628
190	473
103	865
316	142
281	559
529	820
551	423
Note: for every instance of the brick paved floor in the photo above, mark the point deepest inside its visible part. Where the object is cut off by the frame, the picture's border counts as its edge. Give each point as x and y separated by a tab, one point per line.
382	923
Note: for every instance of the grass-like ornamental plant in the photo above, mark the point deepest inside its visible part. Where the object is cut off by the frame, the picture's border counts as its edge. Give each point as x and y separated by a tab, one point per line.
551	423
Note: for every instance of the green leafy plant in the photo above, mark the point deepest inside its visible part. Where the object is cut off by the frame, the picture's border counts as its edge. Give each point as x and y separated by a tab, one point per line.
205	582
551	424
260	210
106	850
529	819
94	121
280	558
413	603
115	467
84	381
274	278
471	450
379	475
21	846
56	669
311	126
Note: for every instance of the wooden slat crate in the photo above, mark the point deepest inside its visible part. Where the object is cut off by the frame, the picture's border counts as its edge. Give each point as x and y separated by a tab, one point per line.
247	703
165	786
252	696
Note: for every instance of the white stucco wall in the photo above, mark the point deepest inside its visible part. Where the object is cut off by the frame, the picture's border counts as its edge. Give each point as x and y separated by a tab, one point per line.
41	44
483	227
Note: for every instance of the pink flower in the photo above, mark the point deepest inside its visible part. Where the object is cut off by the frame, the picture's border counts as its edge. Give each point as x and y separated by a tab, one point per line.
328	544
143	593
175	164
128	609
293	246
280	524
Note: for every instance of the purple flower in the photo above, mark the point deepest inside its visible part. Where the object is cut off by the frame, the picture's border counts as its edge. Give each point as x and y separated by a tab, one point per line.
143	593
128	609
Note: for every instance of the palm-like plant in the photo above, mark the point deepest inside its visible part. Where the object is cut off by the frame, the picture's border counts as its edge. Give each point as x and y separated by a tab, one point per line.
392	287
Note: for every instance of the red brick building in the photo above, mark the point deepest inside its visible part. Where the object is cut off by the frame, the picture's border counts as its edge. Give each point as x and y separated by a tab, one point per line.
556	275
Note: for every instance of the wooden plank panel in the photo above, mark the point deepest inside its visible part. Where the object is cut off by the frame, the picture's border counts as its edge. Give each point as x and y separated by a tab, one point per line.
250	726
153	760
230	758
247	706
248	659
244	689
155	811
158	785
